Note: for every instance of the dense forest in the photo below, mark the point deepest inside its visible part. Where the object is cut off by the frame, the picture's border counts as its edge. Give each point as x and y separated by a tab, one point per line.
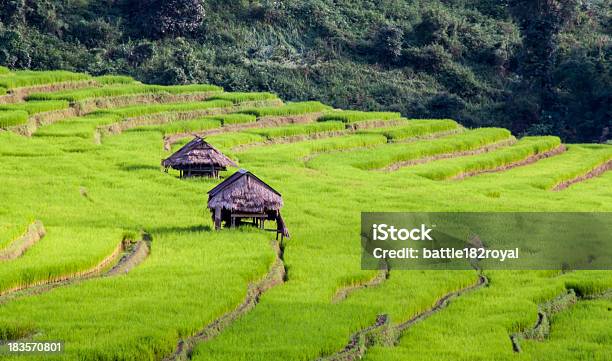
533	66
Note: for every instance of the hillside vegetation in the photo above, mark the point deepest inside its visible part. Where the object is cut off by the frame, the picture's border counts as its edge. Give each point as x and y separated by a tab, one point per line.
82	159
537	67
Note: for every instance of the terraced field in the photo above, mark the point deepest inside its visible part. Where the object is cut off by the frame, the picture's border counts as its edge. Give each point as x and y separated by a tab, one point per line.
102	249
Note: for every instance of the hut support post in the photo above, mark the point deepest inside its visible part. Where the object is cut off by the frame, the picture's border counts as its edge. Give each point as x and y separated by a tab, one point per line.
217	218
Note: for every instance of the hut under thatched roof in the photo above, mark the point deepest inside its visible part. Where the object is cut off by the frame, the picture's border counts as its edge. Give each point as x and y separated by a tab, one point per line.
244	196
198	158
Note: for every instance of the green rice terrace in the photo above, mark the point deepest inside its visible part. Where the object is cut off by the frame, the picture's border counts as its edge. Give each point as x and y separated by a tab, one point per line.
104	250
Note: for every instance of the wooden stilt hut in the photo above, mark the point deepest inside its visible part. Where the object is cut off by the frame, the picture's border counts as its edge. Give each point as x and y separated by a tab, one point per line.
244	196
198	159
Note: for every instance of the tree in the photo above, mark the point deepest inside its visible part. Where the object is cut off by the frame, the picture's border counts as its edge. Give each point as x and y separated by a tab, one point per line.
540	22
388	42
166	18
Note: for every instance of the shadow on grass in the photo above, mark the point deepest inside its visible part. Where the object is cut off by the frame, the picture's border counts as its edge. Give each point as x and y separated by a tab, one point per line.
139	167
186	229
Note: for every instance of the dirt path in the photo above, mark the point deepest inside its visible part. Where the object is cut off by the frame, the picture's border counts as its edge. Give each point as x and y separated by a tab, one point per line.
384	333
597	171
344	292
485	149
275	276
541	330
36	231
529	160
125	257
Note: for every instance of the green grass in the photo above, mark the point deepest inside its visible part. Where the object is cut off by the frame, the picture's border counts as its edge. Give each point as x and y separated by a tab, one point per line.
114	79
142	296
582	332
36	106
353	116
302	129
122	89
234	118
449	168
547	173
62	252
415	128
228	140
26	78
13	117
139	110
287	109
82	127
244	97
370	159
299	151
4	70
182	126
10	232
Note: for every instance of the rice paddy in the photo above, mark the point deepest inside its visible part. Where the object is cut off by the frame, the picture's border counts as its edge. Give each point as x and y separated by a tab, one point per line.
94	193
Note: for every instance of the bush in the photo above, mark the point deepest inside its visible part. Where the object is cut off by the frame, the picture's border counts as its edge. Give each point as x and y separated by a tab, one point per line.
167	18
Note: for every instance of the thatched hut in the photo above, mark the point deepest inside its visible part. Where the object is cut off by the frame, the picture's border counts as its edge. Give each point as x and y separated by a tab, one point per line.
198	159
244	196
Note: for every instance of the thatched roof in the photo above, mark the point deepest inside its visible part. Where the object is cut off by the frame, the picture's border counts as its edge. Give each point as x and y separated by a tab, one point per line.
244	192
198	152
